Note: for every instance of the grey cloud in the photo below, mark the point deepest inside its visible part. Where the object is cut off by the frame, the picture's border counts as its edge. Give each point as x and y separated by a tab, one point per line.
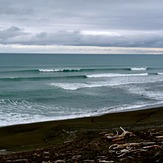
57	38
10	33
119	14
8	8
15	35
60	22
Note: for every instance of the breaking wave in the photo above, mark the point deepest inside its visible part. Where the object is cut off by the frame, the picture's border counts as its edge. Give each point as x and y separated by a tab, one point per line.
125	80
102	75
64	70
114	75
138	68
60	70
95	69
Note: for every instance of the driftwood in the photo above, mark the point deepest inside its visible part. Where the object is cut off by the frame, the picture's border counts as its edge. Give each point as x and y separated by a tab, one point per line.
122	146
122	149
152	146
159	137
117	137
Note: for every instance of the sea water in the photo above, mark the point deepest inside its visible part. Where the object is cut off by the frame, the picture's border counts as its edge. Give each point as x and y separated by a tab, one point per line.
42	87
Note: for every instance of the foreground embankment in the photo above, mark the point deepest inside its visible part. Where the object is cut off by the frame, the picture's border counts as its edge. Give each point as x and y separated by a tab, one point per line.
135	136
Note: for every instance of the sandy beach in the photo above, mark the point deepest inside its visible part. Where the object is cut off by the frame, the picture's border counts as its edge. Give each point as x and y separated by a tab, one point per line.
91	139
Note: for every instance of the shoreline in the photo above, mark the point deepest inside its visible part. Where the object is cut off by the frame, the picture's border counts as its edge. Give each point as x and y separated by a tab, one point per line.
100	117
80	136
154	106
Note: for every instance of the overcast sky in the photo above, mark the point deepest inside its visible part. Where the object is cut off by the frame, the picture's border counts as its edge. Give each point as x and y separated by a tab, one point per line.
102	26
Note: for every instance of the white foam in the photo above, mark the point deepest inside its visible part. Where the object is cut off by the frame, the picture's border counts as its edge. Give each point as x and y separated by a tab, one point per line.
138	68
124	80
66	69
22	118
46	70
114	75
122	108
10	118
129	107
155	95
58	70
160	73
76	86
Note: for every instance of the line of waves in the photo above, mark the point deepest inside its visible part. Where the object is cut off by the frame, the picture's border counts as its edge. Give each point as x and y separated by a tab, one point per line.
41	78
106	75
93	69
82	69
99	84
103	75
66	70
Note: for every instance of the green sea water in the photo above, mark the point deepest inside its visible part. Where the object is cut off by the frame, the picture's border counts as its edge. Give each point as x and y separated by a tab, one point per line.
41	87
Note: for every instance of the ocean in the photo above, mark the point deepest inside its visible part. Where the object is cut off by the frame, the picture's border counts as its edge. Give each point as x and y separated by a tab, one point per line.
43	87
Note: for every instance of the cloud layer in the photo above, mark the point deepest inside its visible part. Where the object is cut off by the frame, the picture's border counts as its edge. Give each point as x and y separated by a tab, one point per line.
114	38
104	23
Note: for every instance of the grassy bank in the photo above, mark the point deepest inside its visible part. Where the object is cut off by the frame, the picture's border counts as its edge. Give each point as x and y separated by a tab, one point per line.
55	133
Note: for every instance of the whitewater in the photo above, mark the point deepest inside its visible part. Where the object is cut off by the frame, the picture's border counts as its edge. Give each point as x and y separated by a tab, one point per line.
43	87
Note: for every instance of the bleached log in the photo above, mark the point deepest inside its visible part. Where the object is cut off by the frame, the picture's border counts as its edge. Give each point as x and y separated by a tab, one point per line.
152	146
159	137
117	137
126	145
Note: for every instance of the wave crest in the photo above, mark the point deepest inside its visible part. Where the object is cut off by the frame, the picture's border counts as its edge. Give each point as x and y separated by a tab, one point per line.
114	75
66	70
59	70
46	70
138	68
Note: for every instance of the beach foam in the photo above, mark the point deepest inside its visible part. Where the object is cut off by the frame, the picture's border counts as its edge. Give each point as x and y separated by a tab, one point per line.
19	118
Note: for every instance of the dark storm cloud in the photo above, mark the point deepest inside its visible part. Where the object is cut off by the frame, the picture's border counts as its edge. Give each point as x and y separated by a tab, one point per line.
52	22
